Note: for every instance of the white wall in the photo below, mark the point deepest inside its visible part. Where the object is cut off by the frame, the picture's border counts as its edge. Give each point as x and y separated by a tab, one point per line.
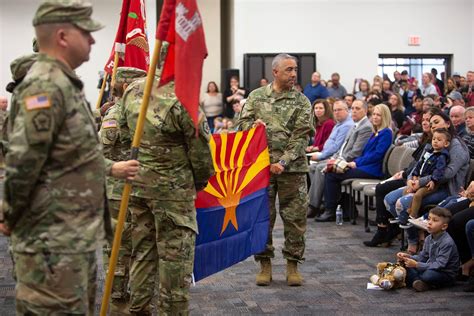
347	36
16	34
211	11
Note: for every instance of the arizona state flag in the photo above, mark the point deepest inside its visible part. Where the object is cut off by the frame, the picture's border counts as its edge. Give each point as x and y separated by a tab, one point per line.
232	211
131	40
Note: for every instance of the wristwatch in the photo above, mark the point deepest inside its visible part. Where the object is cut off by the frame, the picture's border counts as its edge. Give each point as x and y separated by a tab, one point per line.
282	162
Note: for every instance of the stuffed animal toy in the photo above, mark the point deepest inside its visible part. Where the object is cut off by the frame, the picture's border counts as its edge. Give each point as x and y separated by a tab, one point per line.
389	276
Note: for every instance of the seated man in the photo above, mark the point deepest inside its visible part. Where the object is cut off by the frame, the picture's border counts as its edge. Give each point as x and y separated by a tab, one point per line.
350	149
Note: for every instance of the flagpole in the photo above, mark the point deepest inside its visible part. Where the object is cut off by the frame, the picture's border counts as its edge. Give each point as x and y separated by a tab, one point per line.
114	71
102	89
128	185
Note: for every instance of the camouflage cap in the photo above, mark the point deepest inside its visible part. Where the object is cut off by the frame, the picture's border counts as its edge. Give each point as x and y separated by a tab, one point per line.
128	74
20	66
76	12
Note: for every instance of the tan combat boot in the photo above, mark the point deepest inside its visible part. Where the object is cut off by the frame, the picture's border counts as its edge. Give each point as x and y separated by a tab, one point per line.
293	277
264	277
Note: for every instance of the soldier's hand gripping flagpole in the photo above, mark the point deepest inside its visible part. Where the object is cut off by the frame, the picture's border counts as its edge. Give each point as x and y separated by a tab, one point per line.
128	185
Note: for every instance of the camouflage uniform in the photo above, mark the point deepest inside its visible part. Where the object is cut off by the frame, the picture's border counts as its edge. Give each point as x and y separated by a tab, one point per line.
116	151
55	182
173	164
287	118
19	67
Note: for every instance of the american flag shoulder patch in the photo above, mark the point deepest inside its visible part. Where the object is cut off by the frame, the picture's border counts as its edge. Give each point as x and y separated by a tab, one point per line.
36	102
109	124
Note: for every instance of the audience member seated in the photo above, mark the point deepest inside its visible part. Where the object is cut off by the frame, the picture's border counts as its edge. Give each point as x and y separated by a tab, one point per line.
410	94
386	232
361	88
427	86
468	90
454	98
397	82
343	124
315	90
211	103
456	114
349	99
412	124
413	141
468	137
372	100
323	121
377	80
455	176
428	103
368	165
263	82
386	90
336	90
233	93
439	84
450	86
350	149
457	79
437	264
396	107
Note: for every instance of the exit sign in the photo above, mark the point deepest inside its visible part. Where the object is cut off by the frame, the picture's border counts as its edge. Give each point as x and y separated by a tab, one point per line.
413	41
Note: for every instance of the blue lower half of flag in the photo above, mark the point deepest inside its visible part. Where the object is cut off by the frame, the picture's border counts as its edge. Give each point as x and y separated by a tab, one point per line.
216	251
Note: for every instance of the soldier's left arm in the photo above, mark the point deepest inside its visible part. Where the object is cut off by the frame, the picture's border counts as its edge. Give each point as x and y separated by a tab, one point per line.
40	114
199	154
300	135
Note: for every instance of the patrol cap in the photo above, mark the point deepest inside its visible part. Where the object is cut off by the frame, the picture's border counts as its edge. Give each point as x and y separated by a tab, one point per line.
20	66
77	12
128	74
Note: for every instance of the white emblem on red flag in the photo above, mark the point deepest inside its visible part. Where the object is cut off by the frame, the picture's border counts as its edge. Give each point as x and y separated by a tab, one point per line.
185	27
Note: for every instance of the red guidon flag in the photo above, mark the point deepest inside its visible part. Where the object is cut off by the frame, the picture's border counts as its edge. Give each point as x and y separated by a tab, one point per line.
181	26
131	40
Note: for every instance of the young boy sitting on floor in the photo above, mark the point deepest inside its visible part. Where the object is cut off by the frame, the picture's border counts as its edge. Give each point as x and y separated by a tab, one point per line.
438	263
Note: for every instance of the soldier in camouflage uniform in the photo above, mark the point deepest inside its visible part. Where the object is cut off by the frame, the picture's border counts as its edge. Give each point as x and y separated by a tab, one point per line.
55	171
3	118
286	114
19	67
174	164
116	151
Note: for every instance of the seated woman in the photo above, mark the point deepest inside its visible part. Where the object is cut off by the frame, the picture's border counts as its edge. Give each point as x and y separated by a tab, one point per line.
386	232
468	138
363	89
396	106
323	121
454	176
368	165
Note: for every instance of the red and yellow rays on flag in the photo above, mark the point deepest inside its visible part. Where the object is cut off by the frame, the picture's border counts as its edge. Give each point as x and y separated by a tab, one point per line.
242	165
